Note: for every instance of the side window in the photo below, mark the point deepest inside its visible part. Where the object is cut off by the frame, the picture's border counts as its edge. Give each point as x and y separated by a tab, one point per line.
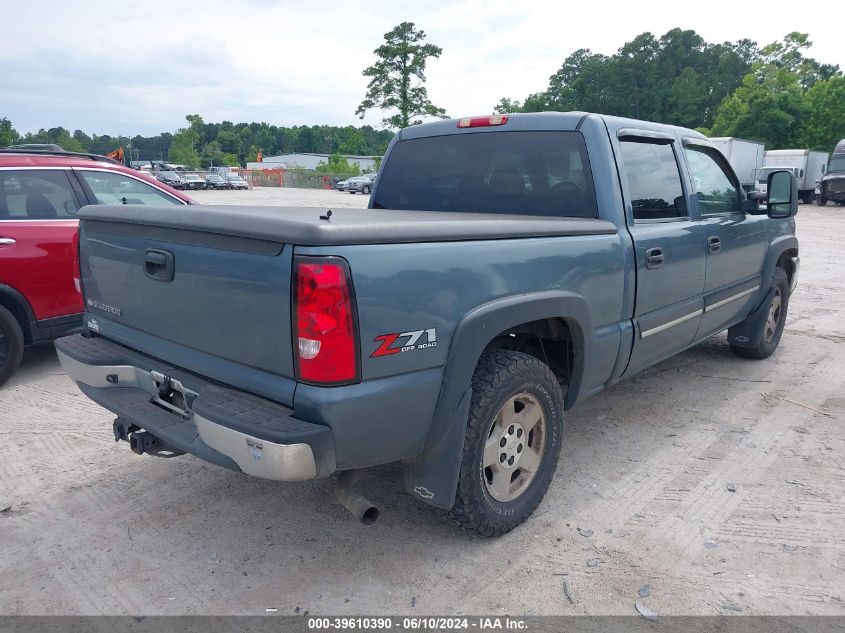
36	194
715	189
115	188
654	181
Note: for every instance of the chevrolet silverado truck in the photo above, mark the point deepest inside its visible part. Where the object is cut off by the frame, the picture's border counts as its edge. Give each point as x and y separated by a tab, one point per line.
507	268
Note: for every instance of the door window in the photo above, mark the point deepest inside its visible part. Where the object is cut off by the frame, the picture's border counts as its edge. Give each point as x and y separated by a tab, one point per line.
111	187
715	187
654	182
36	194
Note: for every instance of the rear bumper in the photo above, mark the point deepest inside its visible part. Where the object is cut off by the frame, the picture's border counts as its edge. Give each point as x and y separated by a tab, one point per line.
224	426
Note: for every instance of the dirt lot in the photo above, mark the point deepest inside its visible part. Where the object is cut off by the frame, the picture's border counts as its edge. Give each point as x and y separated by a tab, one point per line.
641	497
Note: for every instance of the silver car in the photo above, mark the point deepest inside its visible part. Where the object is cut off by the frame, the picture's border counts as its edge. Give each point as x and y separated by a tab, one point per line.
360	184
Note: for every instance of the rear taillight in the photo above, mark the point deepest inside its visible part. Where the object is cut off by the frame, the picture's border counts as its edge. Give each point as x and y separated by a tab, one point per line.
324	321
77	274
483	121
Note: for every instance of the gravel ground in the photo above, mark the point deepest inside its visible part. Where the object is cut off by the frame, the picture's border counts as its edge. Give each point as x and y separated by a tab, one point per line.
687	478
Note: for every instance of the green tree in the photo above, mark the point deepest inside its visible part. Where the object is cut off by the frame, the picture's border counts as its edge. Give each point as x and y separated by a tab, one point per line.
768	106
183	148
337	164
231	160
823	123
8	134
397	79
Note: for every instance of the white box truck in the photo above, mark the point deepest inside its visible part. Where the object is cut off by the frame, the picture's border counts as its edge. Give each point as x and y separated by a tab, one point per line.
746	158
808	166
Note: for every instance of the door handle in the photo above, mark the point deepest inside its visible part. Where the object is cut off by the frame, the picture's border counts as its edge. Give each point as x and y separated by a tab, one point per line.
158	265
654	257
7	241
714	244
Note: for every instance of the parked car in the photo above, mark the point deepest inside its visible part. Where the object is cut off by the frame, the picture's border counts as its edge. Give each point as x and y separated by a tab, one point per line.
340	185
40	195
193	181
236	182
449	326
361	184
170	178
216	181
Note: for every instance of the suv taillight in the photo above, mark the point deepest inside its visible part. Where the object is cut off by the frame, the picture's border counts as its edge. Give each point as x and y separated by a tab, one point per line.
77	274
325	338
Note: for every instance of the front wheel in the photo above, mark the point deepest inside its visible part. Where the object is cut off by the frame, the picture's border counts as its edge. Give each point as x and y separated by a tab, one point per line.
821	201
772	327
11	344
512	442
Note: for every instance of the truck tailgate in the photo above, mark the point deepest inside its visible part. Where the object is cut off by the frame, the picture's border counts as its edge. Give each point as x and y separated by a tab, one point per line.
222	295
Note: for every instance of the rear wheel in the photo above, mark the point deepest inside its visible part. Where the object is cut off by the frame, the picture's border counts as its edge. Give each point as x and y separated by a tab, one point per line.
512	442
365	189
11	344
775	319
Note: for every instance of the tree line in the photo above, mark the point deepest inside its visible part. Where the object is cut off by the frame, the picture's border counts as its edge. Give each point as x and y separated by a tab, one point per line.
773	93
203	144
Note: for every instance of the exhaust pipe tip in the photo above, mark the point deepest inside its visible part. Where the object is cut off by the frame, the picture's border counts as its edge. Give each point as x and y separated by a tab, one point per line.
357	504
370	515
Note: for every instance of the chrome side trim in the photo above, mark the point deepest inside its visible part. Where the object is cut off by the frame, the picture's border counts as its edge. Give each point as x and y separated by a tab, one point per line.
739	295
666	326
260	458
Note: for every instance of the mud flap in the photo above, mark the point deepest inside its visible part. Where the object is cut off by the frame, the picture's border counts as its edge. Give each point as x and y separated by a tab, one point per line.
433	478
749	332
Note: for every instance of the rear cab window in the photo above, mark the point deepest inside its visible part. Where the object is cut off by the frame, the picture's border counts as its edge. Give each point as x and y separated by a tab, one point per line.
529	173
654	180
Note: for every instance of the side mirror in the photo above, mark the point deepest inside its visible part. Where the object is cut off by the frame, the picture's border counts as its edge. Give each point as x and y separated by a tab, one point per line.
782	195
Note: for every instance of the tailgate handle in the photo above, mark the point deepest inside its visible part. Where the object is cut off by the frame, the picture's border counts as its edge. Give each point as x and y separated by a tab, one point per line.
158	264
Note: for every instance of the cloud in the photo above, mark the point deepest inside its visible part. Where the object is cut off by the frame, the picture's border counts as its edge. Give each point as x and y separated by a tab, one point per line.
135	67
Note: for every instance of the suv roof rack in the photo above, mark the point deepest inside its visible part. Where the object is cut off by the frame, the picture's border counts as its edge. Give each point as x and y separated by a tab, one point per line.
49	149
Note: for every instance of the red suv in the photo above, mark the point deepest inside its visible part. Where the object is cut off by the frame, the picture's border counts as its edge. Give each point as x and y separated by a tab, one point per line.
40	194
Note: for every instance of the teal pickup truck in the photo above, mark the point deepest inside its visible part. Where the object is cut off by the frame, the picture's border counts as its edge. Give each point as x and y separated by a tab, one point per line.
508	267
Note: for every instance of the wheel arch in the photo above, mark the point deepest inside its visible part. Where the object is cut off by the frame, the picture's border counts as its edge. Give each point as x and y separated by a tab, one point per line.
433	476
780	253
17	304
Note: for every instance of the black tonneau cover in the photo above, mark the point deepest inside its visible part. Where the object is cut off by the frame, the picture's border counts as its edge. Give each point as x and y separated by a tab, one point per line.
302	225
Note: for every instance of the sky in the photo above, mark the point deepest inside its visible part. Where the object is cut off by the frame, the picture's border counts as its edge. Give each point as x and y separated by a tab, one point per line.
131	67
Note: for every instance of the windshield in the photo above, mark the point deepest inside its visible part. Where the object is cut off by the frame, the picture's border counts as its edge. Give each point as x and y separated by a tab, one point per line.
532	173
763	174
837	164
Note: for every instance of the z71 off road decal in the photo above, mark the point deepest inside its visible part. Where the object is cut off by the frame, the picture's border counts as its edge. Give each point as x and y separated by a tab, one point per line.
404	342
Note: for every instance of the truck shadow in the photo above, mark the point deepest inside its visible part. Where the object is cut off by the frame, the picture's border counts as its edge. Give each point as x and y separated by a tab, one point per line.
205	519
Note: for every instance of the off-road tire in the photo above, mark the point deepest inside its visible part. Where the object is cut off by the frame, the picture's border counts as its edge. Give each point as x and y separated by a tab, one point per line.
11	345
766	345
500	376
